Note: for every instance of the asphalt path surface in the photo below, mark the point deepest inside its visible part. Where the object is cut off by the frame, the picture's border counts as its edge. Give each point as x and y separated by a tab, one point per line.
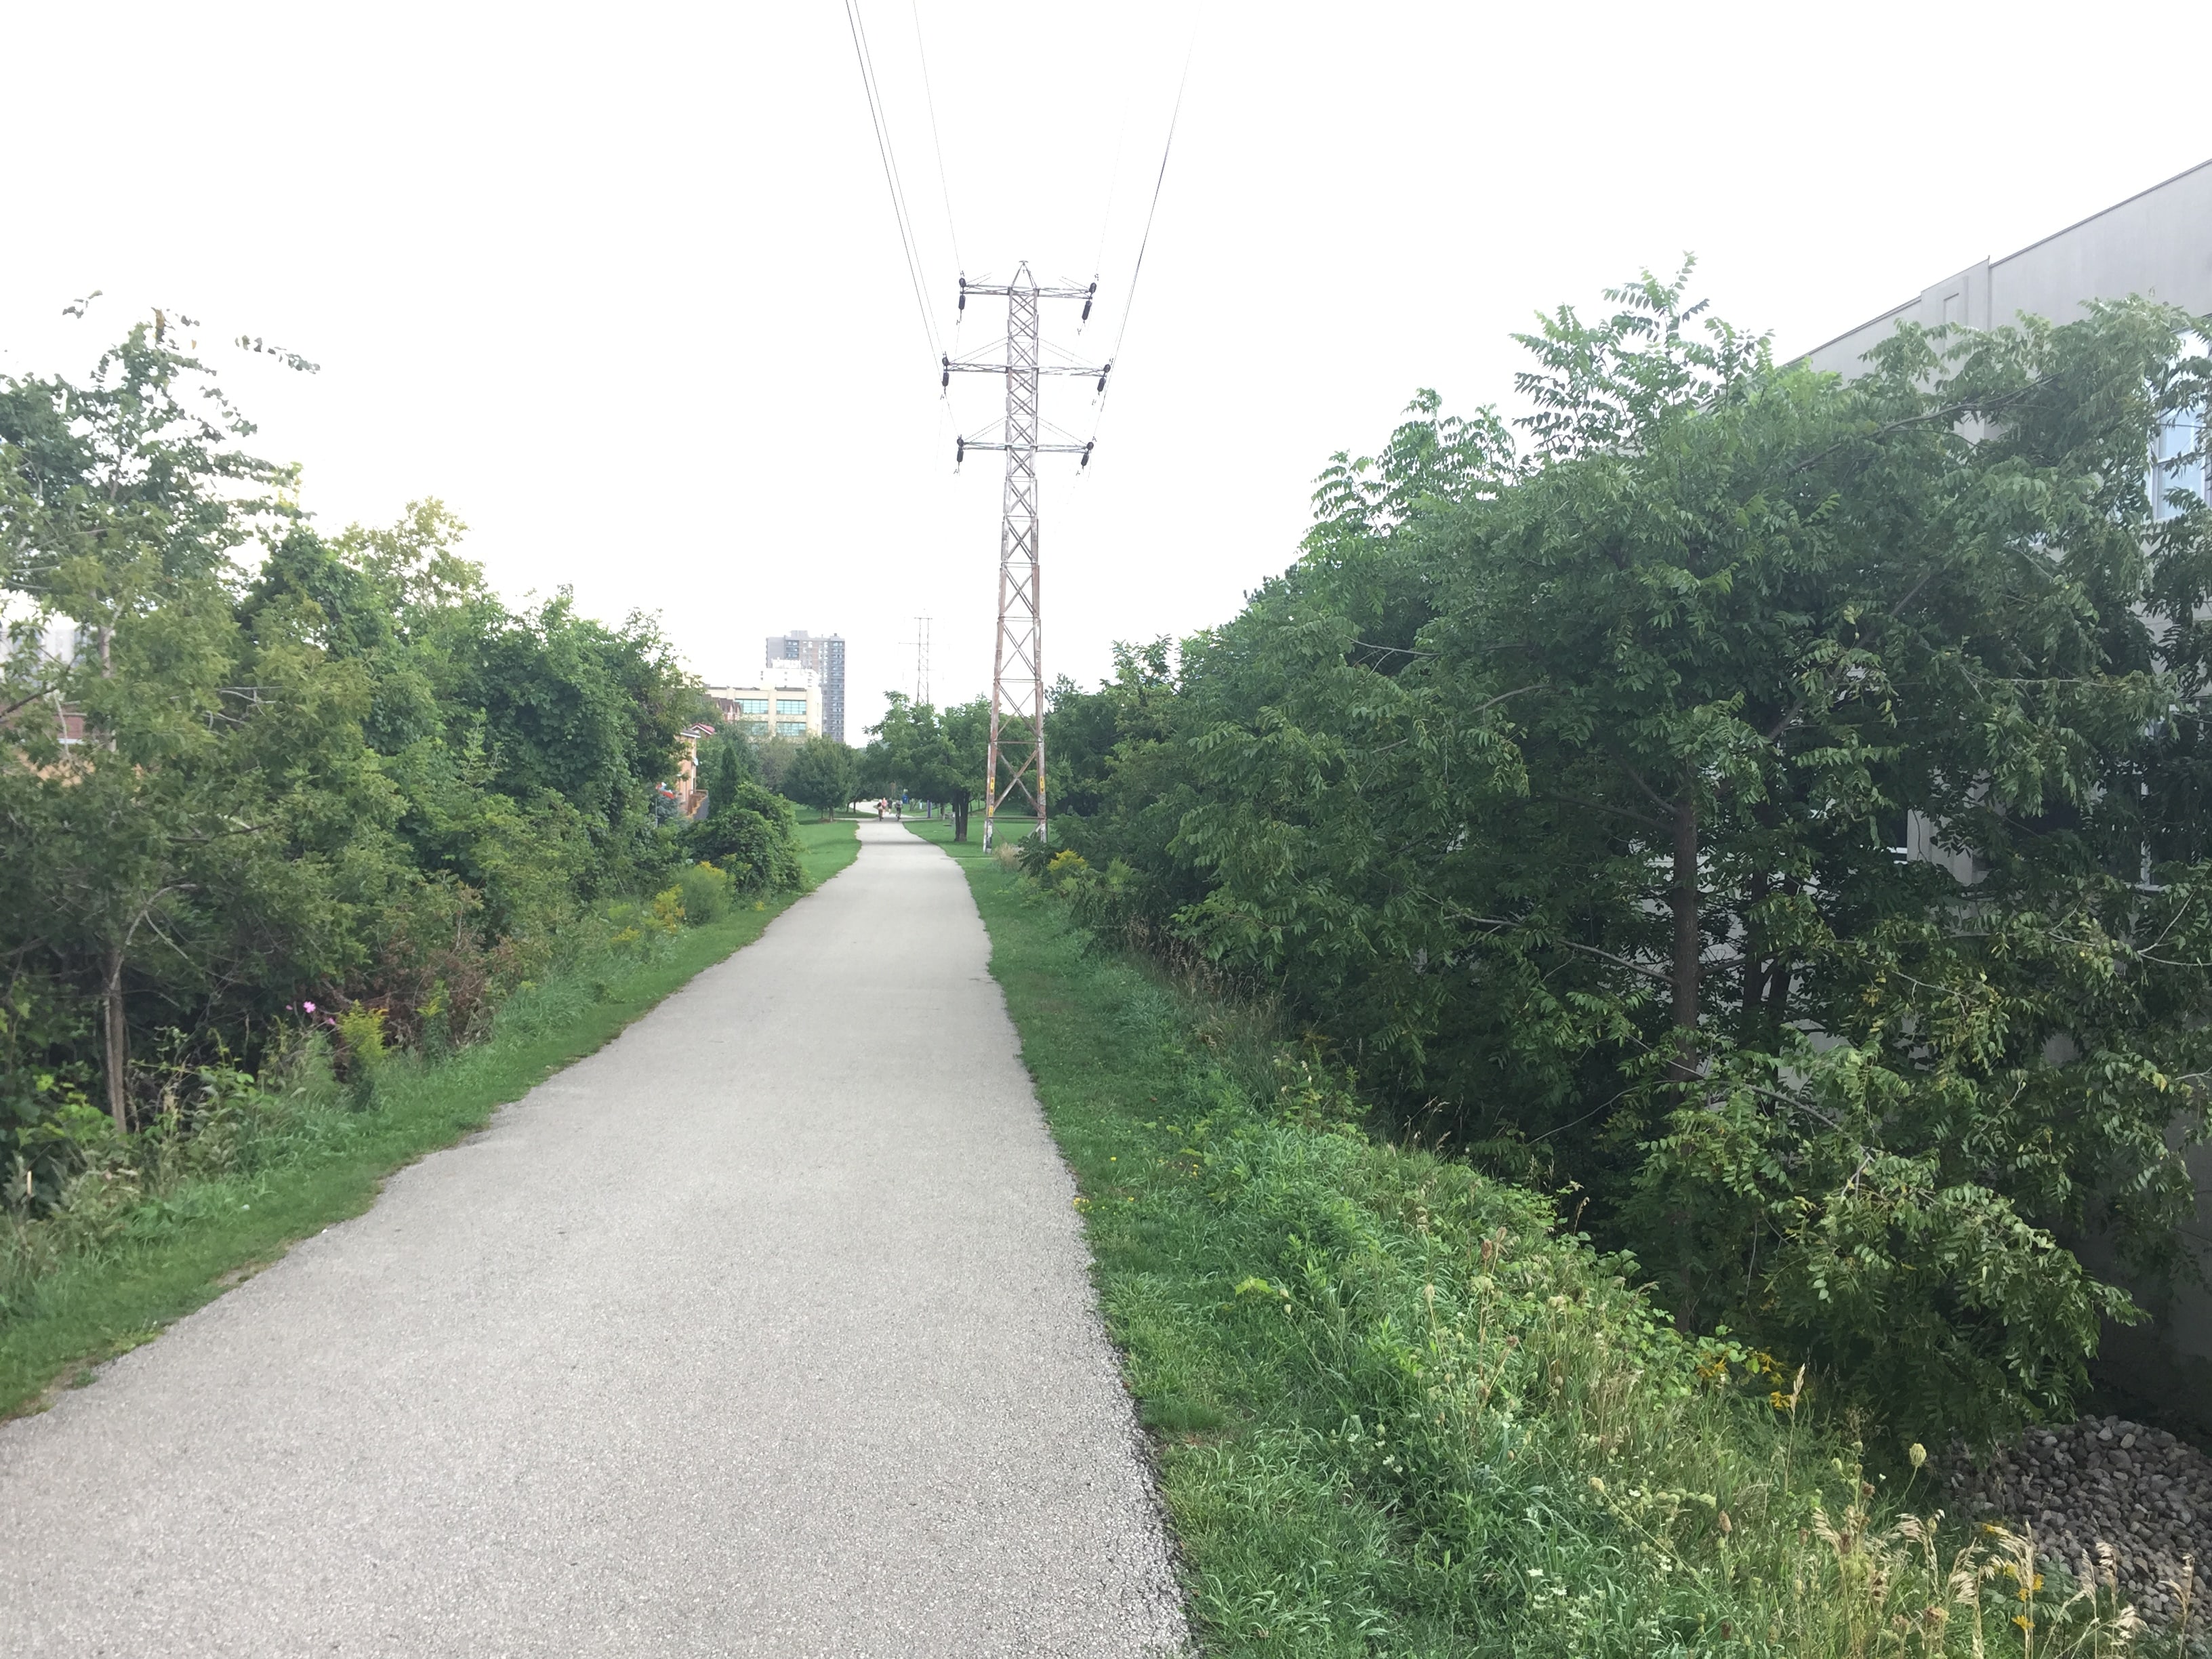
765	1330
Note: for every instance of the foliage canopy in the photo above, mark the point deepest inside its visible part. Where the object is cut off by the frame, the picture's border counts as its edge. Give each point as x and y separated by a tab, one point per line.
1769	802
246	766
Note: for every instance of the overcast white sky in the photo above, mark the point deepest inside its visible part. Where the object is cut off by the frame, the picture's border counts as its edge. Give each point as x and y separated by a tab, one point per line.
622	284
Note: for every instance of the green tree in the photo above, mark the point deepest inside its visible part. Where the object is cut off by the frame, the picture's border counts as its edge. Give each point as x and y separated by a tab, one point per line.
1084	731
242	762
772	758
821	775
142	836
932	754
726	762
1567	789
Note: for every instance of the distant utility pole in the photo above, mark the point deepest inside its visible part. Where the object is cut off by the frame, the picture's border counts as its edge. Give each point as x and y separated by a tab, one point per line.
921	659
1018	684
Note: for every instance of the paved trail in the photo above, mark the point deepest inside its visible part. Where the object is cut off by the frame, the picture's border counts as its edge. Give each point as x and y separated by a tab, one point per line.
705	1348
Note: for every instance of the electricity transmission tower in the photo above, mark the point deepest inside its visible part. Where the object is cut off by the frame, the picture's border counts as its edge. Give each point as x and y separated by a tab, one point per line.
920	660
1018	682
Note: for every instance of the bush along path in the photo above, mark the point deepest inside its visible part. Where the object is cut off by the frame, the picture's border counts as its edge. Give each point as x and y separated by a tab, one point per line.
1400	1408
163	1223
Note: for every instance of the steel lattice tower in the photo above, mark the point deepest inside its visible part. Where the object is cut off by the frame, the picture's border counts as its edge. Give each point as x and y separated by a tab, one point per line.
1016	758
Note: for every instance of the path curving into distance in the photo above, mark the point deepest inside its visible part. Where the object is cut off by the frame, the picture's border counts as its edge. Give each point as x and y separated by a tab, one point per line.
765	1330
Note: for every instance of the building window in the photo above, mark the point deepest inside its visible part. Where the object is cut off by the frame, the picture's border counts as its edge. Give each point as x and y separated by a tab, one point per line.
2176	463
791	705
791	728
755	728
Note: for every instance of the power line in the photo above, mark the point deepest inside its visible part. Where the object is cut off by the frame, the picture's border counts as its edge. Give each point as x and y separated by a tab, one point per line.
1129	304
1113	180
904	213
891	171
936	142
1114	173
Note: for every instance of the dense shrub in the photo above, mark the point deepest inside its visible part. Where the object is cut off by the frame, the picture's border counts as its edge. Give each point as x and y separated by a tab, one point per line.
749	836
707	894
1406	1408
1564	786
246	766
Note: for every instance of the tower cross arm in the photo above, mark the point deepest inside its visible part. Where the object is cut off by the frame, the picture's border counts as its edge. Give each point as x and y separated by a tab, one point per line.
1021	288
1093	371
1030	449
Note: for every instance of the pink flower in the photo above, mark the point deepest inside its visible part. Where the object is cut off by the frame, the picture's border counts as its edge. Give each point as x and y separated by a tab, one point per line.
309	1006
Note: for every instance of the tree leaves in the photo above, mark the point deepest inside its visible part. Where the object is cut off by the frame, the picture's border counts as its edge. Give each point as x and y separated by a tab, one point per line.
241	762
1771	801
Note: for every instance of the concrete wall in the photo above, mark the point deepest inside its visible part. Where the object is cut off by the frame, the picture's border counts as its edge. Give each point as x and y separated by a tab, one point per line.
2158	245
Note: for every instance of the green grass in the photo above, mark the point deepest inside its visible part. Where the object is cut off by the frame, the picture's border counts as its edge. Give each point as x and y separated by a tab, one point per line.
193	1238
1399	1409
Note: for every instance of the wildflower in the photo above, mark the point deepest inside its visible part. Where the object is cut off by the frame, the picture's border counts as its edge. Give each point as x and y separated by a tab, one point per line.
307	1007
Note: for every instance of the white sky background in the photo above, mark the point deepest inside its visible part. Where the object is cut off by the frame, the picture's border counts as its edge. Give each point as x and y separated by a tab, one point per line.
622	284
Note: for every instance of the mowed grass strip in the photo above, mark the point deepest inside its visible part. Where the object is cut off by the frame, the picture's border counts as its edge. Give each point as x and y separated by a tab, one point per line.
1110	1049
195	1242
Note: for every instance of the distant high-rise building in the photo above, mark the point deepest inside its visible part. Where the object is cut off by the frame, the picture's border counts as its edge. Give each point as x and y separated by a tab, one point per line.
825	654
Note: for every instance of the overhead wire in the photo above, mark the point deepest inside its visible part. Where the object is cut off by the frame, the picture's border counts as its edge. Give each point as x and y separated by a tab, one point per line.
903	216
1112	177
1113	181
891	180
1136	274
905	213
937	142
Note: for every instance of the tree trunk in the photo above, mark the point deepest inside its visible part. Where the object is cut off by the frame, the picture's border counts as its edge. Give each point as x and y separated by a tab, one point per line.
960	817
1778	979
1755	964
1683	900
118	1044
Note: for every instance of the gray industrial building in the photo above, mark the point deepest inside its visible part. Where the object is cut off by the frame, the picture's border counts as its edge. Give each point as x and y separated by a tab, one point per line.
825	654
2159	245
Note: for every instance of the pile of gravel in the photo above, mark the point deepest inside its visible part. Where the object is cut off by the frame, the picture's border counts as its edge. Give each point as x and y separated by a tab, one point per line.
2104	1480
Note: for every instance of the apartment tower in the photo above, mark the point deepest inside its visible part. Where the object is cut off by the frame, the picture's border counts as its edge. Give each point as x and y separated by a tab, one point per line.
825	654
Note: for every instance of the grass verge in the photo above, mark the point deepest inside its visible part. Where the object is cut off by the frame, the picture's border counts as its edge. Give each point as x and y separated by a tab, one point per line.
1401	1409
186	1243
